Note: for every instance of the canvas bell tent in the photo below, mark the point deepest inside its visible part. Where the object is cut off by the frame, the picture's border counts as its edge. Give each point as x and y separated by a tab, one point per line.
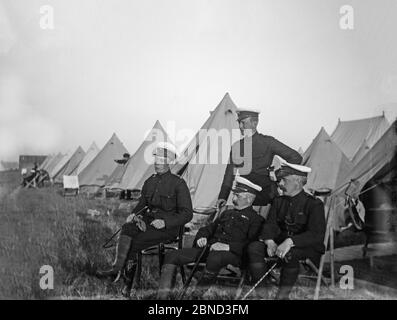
70	165
97	172
91	153
378	165
328	163
61	163
140	166
203	162
350	135
46	162
362	150
53	162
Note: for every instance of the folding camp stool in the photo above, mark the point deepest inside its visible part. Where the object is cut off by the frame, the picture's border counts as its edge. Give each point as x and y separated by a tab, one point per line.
308	264
32	183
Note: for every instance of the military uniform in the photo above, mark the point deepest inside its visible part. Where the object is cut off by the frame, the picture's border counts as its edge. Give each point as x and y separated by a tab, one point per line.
167	197
234	227
264	148
226	239
300	218
169	207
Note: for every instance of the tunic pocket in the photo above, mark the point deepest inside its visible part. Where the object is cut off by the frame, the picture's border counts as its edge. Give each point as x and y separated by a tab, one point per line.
168	201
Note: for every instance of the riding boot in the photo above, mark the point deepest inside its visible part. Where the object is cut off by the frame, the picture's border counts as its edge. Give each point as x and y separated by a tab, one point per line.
123	247
129	275
167	281
288	278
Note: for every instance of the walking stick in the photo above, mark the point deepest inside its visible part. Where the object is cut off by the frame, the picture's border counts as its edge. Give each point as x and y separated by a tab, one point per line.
202	253
106	244
261	279
277	261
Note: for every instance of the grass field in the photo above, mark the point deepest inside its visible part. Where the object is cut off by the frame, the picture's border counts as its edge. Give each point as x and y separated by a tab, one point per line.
40	227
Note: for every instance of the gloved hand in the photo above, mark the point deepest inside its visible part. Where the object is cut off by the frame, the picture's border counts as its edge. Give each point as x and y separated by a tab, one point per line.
284	248
271	247
131	217
158	223
140	223
202	242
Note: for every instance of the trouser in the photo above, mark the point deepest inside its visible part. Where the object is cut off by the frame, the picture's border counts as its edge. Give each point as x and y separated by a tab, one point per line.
215	260
152	236
289	270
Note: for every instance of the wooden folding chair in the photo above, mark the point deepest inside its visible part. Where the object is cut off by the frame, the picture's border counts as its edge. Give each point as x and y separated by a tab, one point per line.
33	182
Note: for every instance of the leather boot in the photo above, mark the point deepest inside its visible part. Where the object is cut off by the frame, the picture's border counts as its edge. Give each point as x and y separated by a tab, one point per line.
288	278
129	275
123	247
167	281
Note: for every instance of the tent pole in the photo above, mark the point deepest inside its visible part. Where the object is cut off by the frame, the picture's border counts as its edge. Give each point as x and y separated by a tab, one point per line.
321	267
332	257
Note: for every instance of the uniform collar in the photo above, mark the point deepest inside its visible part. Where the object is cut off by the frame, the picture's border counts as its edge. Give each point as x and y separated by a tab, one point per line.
245	209
251	136
297	197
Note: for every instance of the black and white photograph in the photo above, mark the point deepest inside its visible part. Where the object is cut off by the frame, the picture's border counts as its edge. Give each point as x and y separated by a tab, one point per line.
196	156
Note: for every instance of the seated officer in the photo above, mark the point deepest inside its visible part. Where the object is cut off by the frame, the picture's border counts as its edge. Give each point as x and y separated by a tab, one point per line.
225	238
169	207
295	225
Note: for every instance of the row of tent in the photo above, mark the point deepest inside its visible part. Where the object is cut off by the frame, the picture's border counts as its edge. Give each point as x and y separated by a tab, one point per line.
97	169
356	150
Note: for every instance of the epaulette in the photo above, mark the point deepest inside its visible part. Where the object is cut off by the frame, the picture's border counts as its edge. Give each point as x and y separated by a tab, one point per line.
311	196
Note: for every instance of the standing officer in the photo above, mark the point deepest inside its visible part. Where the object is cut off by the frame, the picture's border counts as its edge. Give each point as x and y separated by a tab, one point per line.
295	225
258	152
226	237
169	207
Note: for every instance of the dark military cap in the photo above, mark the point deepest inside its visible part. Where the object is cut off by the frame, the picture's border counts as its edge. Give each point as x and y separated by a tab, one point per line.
247	113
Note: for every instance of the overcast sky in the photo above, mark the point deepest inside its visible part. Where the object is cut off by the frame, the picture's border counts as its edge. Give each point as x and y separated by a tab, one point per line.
118	66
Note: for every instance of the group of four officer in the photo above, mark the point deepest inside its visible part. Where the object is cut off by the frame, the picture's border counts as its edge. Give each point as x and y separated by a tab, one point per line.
295	224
